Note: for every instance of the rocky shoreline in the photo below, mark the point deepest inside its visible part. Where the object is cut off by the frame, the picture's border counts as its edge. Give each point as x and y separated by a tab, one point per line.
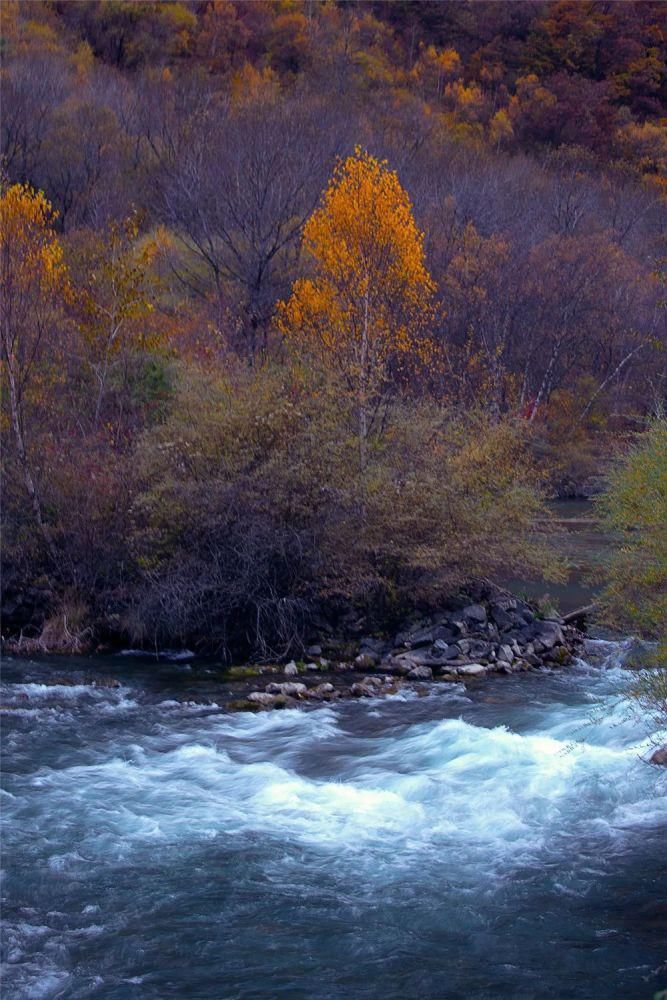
495	632
482	631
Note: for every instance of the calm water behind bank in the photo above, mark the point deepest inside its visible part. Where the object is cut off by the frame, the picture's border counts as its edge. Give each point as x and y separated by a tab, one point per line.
581	541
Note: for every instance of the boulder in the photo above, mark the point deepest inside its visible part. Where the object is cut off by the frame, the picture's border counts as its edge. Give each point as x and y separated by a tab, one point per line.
314	651
291	688
291	670
420	673
263	699
367	688
369	644
394	665
444	650
503	602
660	756
478	649
474	613
505	653
547	633
366	661
459	627
321	692
472	669
426	658
501	618
425	636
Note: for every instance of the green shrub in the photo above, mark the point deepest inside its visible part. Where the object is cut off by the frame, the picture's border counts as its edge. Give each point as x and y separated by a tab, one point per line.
253	507
635	506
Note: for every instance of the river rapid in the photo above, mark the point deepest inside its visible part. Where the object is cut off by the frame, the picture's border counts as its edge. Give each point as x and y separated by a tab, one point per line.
504	839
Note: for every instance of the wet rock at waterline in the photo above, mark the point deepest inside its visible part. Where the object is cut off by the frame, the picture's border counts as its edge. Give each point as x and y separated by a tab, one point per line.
496	633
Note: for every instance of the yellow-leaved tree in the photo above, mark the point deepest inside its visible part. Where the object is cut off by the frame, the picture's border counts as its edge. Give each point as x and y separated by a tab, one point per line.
367	306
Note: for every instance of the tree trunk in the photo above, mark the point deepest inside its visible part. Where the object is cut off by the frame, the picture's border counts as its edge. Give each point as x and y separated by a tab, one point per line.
363	380
15	407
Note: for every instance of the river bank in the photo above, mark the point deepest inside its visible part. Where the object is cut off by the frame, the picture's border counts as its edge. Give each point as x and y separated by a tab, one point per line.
483	630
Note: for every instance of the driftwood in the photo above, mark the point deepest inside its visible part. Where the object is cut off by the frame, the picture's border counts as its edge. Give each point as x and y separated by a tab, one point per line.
579	616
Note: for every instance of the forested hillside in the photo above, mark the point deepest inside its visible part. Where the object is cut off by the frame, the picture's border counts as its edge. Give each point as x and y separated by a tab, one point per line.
312	301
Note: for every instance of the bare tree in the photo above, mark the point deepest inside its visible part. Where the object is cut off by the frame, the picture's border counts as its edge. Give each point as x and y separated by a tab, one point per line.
236	191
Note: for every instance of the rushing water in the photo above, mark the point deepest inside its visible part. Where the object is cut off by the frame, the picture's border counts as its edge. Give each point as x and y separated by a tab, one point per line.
505	840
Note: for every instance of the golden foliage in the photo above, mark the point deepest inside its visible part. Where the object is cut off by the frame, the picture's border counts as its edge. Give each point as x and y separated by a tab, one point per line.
30	251
370	298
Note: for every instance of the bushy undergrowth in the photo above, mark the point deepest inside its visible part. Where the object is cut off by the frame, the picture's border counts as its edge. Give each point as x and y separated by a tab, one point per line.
252	507
635	507
245	509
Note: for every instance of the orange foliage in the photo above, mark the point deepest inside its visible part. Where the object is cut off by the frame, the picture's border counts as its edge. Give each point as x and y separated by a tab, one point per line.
370	298
369	302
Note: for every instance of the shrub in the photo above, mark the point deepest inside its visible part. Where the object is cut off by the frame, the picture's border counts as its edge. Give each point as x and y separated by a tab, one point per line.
253	508
635	506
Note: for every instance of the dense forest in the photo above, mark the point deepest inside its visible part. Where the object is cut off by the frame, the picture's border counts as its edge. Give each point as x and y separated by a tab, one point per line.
306	303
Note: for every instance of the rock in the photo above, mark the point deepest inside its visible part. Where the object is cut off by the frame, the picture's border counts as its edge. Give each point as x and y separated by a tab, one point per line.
366	661
314	651
291	670
415	638
502	619
463	646
475	613
660	756
104	682
242	673
530	660
367	688
505	653
477	649
472	669
395	666
559	655
321	692
262	698
313	666
444	650
423	658
369	644
547	633
291	688
420	673
503	602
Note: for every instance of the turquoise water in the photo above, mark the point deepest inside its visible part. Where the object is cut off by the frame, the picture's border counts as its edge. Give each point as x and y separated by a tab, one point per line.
505	840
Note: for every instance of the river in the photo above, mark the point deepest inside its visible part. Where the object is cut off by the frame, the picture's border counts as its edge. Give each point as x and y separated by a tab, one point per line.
504	840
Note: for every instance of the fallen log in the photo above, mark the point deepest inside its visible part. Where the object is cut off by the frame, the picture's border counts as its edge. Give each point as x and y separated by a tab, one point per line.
579	616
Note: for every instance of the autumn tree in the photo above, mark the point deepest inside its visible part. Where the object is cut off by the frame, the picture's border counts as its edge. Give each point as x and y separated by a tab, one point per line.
33	279
635	509
368	303
114	300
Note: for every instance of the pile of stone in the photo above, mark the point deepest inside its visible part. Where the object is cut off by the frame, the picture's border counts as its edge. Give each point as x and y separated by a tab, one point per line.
504	634
497	633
